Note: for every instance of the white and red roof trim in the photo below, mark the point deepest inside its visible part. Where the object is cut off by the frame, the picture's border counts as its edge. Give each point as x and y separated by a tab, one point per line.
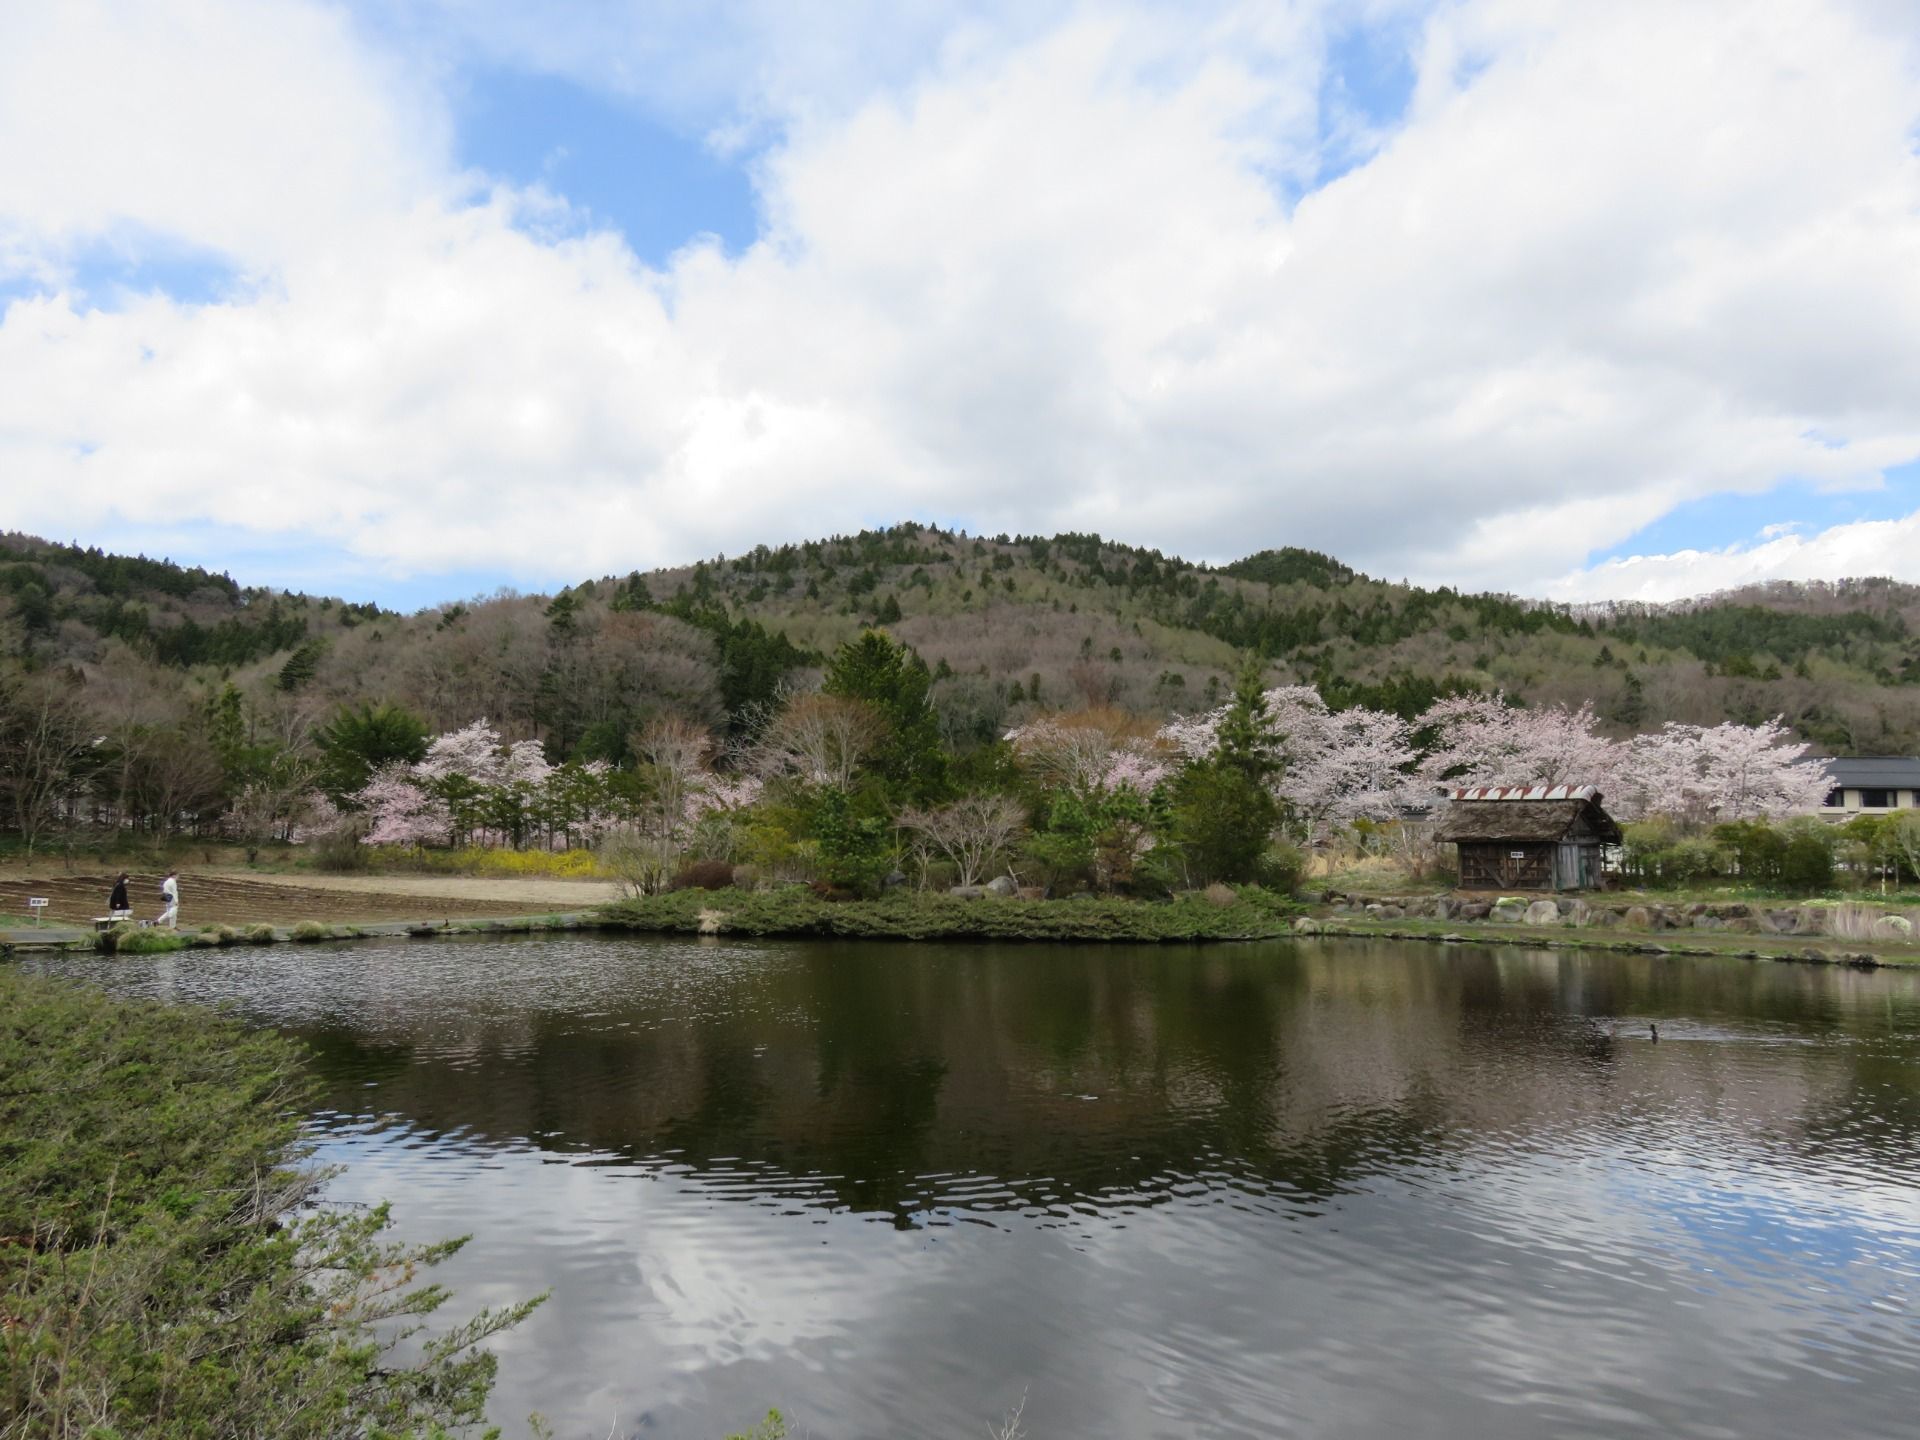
1527	792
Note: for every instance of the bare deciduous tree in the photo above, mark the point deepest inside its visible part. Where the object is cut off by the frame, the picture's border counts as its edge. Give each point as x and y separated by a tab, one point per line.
973	833
672	753
45	739
821	739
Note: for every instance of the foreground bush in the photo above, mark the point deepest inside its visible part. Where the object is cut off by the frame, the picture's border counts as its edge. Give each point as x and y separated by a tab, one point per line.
132	940
1253	914
161	1271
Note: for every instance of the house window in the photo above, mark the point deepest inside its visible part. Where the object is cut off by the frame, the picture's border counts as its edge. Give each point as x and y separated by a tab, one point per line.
1876	799
1836	798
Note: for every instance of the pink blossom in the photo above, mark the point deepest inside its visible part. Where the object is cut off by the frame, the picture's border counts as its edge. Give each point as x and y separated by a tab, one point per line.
1484	741
475	753
400	811
1092	754
1721	773
711	792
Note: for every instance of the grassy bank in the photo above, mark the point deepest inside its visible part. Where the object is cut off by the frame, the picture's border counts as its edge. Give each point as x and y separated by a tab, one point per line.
162	1270
1246	914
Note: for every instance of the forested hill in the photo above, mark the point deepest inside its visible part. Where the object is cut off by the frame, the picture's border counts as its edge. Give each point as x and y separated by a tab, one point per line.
1011	625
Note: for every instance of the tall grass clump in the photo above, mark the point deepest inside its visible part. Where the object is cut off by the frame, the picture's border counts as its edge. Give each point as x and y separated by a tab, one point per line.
131	940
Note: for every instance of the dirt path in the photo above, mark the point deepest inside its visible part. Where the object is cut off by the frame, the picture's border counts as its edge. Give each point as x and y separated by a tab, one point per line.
531	892
237	897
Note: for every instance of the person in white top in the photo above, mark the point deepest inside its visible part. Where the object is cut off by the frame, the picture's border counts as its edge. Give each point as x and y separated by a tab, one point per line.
170	892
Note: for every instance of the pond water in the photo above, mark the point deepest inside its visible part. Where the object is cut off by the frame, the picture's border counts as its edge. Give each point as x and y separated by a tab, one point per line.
1327	1189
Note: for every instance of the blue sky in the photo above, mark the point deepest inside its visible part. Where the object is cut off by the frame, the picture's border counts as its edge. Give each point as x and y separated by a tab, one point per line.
1567	300
659	186
1716	521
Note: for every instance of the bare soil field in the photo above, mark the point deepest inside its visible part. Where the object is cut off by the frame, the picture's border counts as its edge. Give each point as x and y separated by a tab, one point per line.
212	897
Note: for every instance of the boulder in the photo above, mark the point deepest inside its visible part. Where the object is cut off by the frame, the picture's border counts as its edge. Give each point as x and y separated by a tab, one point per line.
1578	912
1543	912
1473	910
1306	925
1812	921
1892	927
1603	919
1032	892
1508	911
1002	885
1704	921
967	892
1638	917
1392	912
1445	909
1778	922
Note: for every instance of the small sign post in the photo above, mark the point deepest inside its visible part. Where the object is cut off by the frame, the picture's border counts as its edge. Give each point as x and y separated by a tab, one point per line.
37	904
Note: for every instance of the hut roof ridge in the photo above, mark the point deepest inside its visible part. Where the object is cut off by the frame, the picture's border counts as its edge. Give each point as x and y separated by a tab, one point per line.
1526	792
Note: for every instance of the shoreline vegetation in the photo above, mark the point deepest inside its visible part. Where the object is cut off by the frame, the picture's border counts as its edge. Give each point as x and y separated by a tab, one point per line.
1839	933
166	1268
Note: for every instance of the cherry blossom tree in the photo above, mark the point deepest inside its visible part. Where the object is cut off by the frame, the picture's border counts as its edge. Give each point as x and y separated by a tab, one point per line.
1094	752
401	811
1481	740
476	754
1356	764
1333	767
1714	774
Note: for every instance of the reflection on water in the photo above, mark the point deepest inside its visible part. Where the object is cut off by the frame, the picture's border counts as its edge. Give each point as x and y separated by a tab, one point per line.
1336	1190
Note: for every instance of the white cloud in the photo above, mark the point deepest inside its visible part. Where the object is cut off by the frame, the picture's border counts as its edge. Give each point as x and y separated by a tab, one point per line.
1863	547
1041	276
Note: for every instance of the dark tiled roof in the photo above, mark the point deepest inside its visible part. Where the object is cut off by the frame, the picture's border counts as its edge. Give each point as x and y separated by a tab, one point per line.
1876	772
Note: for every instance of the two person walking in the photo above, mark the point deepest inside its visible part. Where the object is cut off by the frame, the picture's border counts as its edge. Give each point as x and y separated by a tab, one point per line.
121	908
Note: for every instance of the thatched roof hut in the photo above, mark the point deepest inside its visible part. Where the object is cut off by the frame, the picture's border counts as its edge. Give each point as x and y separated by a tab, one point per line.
1528	837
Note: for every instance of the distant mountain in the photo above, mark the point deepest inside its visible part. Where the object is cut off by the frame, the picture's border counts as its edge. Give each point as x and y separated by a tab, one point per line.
1010	624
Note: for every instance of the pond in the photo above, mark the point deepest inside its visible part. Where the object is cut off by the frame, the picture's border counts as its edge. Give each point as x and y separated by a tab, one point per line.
1326	1189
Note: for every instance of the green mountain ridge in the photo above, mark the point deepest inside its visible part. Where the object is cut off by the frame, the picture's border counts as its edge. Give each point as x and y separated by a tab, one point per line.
1011	625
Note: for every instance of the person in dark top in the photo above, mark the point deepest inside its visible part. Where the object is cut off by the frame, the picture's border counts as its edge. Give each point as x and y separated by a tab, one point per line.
118	903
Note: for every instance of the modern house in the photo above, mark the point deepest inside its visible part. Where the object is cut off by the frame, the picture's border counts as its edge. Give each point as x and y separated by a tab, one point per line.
1528	837
1872	785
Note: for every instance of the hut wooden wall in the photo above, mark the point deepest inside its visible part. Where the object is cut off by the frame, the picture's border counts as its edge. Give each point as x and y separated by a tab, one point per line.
1506	864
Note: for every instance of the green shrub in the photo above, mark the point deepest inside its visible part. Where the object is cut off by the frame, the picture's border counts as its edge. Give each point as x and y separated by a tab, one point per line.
855	849
167	1275
309	931
1806	863
1282	868
130	940
1223	819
